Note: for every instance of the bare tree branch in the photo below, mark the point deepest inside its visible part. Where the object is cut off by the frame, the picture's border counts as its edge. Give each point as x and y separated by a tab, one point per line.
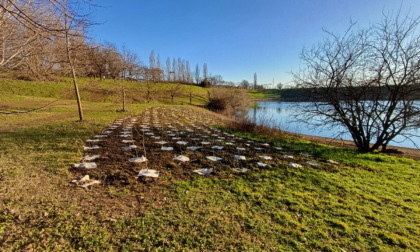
366	81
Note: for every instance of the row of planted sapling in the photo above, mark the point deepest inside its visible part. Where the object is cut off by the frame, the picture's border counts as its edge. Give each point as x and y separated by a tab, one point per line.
176	141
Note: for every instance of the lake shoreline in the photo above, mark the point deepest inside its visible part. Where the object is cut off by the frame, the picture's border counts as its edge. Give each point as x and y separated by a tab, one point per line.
280	113
396	150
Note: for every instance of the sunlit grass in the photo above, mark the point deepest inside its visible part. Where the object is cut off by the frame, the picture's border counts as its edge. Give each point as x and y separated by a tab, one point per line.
96	90
264	93
368	202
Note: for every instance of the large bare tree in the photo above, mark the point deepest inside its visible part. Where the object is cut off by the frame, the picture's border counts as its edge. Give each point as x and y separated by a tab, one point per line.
97	60
29	29
366	81
20	30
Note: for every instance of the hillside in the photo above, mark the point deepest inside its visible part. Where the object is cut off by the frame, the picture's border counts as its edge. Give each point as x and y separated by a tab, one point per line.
95	90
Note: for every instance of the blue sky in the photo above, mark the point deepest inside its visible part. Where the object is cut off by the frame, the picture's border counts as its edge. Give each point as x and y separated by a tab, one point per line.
236	38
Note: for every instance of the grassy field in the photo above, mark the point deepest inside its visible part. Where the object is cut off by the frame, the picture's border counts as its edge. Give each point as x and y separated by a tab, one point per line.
368	202
264	93
97	91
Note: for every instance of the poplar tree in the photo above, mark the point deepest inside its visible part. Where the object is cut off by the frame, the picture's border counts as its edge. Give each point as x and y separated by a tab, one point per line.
197	74
255	80
168	68
152	60
205	71
175	69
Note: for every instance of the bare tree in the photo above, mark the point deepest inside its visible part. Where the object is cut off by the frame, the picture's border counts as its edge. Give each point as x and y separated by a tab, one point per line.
97	61
24	26
146	72
30	32
40	62
113	61
129	65
152	60
205	71
366	81
197	74
174	89
218	80
175	70
245	84
184	71
210	81
168	69
73	27
181	73
188	72
159	65
149	75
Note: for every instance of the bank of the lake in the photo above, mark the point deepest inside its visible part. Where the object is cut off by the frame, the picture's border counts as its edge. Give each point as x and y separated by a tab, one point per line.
282	115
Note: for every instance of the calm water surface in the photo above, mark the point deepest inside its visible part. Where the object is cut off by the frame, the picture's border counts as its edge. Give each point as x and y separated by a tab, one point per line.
282	114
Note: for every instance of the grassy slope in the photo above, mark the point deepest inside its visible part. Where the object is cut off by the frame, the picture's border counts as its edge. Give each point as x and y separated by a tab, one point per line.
93	90
370	203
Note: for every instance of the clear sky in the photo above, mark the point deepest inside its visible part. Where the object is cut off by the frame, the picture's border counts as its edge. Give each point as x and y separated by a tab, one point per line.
236	38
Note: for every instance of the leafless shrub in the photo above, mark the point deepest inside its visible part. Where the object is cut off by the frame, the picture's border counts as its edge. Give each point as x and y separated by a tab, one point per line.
227	100
266	126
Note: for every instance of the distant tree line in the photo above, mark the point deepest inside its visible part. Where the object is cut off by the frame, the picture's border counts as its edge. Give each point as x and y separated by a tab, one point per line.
35	36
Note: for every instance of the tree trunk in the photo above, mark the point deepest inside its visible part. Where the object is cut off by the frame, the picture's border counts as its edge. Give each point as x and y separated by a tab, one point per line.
190	96
76	89
123	95
73	73
148	91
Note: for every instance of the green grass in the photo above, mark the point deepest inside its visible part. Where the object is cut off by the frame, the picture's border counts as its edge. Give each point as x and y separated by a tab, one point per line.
93	90
369	202
264	93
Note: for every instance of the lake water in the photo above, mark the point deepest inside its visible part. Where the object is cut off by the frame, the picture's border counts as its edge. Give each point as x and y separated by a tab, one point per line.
281	114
